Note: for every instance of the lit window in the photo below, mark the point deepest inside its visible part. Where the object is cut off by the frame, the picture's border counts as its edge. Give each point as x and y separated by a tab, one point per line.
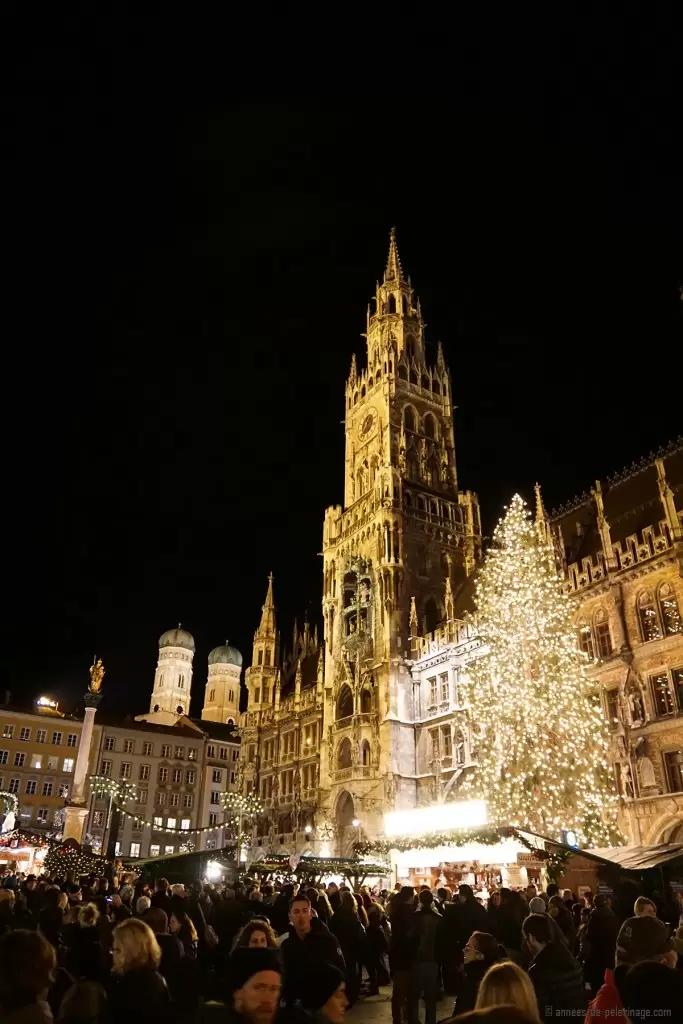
36	760
117	848
68	765
64	790
154	850
649	621
446	741
72	739
432	691
185	823
8	732
158	822
169	849
41	816
170	823
135	849
40	736
24	733
668	606
663	695
603	637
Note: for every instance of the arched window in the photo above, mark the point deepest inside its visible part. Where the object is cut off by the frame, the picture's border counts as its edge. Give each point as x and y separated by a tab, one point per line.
212	696
231	695
362	392
409	418
436	387
433	510
181	682
379	373
414	379
424	381
285	824
365	702
404	305
459	747
344	753
355	398
409	499
156	707
647	616
267	656
179	709
409	346
603	637
430	426
370	383
586	640
266	694
344	703
365	753
260	658
668	610
391	305
420	503
402	372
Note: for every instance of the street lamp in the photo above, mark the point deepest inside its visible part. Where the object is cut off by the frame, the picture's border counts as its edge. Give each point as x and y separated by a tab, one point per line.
356	825
308	829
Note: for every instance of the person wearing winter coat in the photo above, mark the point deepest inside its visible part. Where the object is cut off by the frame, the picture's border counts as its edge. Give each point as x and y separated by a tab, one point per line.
136	990
377	947
401	910
424	970
481	951
27	968
599	942
307	943
351	936
564	918
557	977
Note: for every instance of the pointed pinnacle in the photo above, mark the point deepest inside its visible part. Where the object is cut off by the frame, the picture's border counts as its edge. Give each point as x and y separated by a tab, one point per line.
394	271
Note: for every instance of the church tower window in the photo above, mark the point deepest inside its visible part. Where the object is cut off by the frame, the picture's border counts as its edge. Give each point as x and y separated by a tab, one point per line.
391	308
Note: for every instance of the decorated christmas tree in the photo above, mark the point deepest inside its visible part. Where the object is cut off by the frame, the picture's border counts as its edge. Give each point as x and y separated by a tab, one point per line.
539	734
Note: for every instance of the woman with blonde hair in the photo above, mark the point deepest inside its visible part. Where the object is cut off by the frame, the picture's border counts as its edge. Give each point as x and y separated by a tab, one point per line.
137	990
507	984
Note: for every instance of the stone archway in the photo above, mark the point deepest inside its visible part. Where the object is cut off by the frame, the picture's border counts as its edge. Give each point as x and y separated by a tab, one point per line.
345	813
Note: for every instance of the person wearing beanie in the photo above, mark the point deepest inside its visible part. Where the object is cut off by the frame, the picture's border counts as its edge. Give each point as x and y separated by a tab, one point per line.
325	994
255	977
640	940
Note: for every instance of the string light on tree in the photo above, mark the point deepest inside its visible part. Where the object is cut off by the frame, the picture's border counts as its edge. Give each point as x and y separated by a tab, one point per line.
540	736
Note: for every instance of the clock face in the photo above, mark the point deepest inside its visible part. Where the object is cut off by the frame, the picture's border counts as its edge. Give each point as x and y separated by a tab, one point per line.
368	424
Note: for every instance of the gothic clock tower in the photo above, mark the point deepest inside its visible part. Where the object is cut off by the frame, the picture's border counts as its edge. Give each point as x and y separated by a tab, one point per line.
394	554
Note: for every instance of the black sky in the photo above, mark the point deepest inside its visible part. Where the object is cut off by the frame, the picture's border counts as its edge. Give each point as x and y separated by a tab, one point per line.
193	228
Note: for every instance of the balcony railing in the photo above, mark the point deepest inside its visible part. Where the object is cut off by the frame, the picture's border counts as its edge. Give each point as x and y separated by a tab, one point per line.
359	771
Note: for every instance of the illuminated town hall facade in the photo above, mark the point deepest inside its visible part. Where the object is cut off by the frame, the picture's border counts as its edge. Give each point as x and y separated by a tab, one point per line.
371	719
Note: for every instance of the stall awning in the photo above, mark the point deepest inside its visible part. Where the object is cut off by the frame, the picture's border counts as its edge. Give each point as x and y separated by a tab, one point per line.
638	858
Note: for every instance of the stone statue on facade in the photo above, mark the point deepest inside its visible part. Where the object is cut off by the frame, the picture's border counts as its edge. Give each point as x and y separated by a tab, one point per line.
648	780
627	781
637	708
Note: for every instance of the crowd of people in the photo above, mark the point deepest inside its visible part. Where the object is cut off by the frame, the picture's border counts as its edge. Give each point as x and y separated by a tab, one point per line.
99	951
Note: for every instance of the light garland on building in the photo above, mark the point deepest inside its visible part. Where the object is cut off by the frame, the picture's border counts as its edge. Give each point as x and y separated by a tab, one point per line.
11	802
120	793
540	738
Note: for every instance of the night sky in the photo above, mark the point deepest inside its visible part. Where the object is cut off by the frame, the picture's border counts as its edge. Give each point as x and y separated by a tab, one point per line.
191	238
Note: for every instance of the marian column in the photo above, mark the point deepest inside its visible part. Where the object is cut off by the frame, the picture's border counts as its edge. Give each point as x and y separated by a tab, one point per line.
76	808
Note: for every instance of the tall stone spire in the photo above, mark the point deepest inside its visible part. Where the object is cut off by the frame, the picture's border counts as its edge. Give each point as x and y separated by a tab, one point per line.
267	626
542	521
394	271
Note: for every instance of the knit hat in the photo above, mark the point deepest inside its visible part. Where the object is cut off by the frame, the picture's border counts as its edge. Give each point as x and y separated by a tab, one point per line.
246	962
642	938
322	983
537	905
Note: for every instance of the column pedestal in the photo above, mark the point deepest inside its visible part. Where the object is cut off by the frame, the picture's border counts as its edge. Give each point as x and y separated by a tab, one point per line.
74	823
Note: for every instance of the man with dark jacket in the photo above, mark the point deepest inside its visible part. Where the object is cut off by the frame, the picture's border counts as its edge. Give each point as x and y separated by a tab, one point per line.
460	919
599	941
424	971
160	897
307	943
557	977
401	910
